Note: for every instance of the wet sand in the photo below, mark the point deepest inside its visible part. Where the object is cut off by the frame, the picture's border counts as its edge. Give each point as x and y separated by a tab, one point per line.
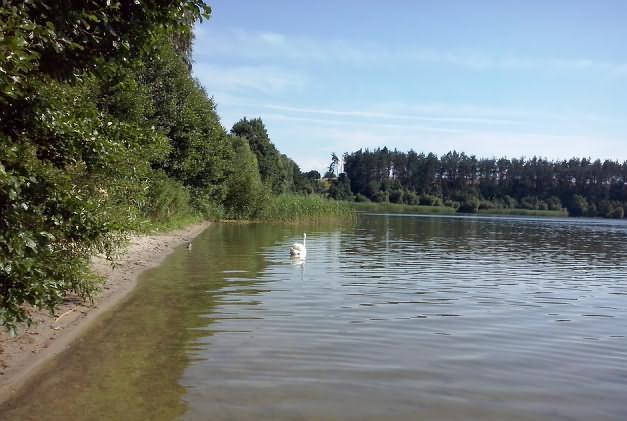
22	357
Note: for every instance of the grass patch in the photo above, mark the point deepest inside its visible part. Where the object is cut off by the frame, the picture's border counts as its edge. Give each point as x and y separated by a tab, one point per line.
297	208
524	212
400	208
173	223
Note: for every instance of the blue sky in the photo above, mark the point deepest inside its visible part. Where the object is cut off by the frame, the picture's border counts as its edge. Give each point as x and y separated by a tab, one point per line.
490	78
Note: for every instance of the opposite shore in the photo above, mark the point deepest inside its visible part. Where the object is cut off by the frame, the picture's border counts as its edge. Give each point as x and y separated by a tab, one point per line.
23	356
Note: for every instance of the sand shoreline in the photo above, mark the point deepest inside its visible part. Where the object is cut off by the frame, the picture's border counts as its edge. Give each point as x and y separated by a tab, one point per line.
23	356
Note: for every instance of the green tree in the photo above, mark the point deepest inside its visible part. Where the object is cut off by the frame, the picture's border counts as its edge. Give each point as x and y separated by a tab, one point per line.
271	168
334	166
578	206
246	194
76	152
341	188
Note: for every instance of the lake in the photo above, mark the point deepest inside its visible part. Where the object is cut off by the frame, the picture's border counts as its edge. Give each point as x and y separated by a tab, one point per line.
399	317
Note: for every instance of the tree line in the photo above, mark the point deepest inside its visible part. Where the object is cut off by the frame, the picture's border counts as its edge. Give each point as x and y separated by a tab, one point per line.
582	186
104	130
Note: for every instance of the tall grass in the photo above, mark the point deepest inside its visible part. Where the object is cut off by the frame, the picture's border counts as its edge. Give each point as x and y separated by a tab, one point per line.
400	208
297	208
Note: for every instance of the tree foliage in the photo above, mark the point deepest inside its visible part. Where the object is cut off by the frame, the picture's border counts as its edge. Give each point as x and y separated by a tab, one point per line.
271	164
104	130
246	193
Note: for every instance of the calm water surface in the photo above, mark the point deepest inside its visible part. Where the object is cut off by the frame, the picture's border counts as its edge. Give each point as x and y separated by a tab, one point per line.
396	317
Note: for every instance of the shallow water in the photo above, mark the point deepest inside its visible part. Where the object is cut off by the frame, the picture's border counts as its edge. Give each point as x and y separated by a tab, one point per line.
397	317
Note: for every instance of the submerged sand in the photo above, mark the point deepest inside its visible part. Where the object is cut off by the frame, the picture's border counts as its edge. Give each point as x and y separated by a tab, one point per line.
22	356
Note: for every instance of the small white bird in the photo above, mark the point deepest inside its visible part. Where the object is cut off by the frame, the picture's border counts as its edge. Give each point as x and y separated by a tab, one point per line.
299	249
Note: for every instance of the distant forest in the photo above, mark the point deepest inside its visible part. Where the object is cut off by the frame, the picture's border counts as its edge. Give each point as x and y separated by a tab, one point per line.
582	186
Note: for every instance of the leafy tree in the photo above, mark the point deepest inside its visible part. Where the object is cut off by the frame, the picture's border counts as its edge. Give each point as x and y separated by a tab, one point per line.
271	166
340	189
578	206
246	193
76	152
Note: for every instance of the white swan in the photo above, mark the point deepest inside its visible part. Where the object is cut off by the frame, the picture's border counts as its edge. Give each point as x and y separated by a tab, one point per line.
299	249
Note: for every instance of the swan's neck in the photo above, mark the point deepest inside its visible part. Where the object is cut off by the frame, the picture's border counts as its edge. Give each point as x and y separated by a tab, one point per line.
304	239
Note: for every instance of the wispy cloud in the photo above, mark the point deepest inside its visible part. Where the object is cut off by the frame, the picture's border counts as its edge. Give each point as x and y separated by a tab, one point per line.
301	87
387	115
251	45
438	114
265	79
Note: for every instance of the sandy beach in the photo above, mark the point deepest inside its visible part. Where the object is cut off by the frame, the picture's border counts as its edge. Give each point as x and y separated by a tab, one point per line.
22	356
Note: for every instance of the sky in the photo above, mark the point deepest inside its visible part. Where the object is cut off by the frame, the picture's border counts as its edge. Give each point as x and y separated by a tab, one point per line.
489	78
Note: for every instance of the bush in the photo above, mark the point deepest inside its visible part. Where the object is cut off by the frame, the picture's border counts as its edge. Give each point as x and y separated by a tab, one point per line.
361	198
617	213
428	200
410	198
205	206
452	203
510	202
382	197
529	202
578	206
470	205
396	196
167	198
554	203
50	225
486	204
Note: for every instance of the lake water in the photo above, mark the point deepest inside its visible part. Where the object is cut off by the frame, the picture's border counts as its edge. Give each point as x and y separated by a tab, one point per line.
394	317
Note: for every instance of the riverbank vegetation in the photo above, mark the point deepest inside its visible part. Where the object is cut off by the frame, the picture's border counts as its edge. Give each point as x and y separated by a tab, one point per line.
312	208
462	183
105	131
401	208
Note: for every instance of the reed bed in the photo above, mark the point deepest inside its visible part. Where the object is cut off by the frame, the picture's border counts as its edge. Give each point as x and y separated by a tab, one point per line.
312	208
524	212
400	208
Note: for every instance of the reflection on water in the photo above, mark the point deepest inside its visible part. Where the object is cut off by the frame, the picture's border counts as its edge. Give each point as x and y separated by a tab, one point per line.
397	317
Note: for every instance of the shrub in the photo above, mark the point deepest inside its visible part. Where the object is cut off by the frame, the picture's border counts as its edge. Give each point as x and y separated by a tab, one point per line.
167	198
361	198
529	202
410	198
618	213
428	200
486	204
578	206
554	203
510	202
396	196
382	197
470	205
